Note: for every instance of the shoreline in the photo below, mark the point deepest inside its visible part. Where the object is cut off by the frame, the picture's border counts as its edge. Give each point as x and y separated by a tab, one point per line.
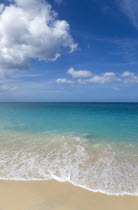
71	183
54	195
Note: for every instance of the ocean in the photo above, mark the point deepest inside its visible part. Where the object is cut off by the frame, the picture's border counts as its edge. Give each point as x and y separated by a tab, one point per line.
91	145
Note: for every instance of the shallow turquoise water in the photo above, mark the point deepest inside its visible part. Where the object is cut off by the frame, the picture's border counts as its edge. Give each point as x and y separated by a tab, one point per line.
93	145
109	121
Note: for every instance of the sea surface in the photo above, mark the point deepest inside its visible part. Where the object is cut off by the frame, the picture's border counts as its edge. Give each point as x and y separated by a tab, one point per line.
91	145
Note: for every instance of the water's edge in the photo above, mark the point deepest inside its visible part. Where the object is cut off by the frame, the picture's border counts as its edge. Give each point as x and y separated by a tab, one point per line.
106	168
85	188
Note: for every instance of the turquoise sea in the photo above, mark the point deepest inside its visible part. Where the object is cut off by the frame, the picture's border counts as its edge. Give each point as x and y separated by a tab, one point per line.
92	145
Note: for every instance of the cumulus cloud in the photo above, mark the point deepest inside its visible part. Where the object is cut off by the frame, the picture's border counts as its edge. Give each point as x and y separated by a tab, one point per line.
79	73
107	77
30	29
130	9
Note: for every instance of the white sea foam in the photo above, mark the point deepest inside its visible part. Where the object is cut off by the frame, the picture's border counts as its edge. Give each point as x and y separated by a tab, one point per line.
99	167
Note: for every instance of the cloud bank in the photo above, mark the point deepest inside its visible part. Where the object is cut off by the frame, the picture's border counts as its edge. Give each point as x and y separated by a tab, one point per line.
30	29
107	77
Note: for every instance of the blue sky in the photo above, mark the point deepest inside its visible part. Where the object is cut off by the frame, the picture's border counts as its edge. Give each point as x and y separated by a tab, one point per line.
68	50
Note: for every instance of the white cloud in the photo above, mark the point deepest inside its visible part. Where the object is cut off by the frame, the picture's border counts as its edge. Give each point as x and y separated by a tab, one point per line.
130	9
107	77
30	29
127	74
80	73
130	77
64	81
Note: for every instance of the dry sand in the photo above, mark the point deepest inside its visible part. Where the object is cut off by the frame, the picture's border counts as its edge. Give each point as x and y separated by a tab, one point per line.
52	195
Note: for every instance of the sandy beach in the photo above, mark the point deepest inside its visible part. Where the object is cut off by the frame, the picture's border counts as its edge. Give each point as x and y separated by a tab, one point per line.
53	195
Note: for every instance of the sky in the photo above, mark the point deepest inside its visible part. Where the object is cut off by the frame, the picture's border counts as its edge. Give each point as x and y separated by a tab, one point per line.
68	51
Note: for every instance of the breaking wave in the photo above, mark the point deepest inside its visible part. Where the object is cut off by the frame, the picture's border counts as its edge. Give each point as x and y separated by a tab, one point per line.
110	168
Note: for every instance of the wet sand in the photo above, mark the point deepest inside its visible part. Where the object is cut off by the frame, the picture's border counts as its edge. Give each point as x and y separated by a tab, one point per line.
53	195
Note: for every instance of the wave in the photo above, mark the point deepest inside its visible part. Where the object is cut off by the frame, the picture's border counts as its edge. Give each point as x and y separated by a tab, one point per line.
99	166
